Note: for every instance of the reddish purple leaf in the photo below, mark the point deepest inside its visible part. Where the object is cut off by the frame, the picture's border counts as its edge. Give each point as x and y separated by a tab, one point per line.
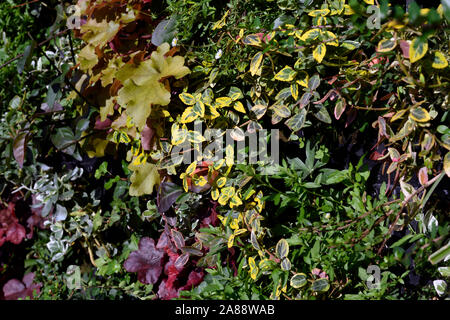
15	289
15	233
147	261
146	136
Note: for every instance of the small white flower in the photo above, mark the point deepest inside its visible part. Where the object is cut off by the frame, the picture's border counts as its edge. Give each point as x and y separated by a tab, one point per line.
174	42
218	54
327	216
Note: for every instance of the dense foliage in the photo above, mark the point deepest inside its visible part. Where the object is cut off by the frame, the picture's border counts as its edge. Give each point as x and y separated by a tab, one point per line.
116	182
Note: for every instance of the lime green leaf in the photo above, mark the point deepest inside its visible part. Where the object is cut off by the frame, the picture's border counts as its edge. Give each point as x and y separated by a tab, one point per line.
143	179
319	52
419	115
255	64
439	61
286	74
417	49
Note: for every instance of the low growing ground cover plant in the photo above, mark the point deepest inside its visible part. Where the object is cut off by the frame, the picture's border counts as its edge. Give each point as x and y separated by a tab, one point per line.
122	175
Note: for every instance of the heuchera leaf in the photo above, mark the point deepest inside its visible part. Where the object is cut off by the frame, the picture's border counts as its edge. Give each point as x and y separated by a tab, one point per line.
15	289
147	261
143	179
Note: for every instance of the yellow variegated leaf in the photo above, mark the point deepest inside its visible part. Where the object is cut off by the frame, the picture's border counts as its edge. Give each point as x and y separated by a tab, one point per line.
199	109
231	241
303	79
221	182
439	61
398	115
417	49
235	93
235	201
224	101
219	164
447	164
369	1
319	52
294	91
386	45
200	181
238	106
282	110
219	24
239	231
178	135
188	115
310	35
215	194
286	74
191	168
419	115
195	137
331	38
234	224
255	64
229	155
321	12
228	192
348	11
187	98
252	40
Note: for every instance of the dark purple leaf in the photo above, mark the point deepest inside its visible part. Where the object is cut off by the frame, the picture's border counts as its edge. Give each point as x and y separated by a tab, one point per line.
167	195
178	239
182	260
19	148
146	136
147	261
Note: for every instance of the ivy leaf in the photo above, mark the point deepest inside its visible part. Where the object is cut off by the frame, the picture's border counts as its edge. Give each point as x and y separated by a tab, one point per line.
147	261
143	179
417	49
